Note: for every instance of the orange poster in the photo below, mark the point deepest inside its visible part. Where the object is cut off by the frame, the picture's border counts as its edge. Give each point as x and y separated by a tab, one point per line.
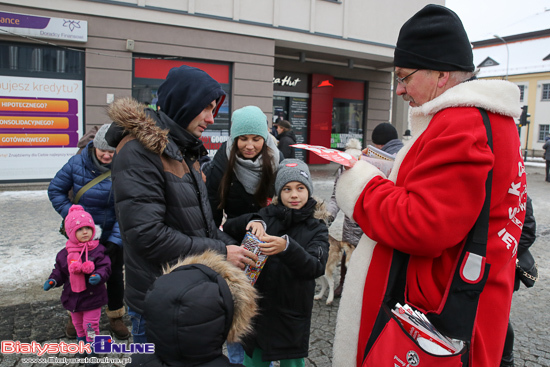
26	122
33	140
33	105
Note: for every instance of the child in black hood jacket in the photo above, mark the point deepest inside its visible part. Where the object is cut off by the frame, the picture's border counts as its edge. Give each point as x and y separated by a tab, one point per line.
296	241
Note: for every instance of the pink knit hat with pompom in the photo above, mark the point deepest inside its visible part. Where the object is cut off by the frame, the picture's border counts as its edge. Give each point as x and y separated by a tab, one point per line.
76	219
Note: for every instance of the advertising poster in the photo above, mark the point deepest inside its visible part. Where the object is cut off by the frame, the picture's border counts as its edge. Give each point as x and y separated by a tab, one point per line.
298	119
44	27
40	124
213	140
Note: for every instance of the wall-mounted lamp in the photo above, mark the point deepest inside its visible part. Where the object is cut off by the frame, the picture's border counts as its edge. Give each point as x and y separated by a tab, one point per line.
324	83
350	63
302	56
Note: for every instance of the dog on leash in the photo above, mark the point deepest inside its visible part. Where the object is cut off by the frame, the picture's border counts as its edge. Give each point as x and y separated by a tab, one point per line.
335	252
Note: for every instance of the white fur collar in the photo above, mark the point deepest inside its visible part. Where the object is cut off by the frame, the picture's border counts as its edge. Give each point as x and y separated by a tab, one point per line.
497	96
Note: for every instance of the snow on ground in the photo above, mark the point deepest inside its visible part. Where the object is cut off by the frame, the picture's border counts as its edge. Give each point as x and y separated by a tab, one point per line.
30	239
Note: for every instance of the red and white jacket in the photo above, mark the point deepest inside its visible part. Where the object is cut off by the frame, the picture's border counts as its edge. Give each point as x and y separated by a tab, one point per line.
427	206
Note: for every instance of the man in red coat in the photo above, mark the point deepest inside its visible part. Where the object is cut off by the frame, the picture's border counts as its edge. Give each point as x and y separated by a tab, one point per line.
434	194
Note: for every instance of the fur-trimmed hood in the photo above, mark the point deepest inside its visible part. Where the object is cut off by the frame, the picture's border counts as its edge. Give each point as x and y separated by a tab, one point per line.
243	293
196	305
131	115
152	129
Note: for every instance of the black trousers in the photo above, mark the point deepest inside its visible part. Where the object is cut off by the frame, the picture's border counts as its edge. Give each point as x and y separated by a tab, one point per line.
547	167
508	353
115	283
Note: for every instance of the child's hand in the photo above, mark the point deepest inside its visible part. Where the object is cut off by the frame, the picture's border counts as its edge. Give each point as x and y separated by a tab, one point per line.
49	284
273	245
94	279
256	228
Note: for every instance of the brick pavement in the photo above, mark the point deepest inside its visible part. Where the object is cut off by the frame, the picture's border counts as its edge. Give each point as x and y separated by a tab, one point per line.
43	321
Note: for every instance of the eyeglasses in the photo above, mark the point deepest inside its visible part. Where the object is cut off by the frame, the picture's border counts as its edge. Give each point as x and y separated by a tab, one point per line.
402	80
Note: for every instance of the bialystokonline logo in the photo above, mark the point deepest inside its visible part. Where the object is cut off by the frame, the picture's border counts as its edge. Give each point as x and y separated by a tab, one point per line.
102	344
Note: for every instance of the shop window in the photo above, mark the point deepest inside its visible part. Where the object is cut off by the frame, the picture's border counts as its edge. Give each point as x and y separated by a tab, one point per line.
42	61
294	110
347	122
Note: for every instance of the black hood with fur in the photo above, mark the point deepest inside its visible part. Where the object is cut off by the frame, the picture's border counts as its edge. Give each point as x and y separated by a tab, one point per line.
191	310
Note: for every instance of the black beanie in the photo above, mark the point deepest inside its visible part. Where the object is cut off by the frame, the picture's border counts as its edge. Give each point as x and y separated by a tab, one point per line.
383	133
186	92
434	39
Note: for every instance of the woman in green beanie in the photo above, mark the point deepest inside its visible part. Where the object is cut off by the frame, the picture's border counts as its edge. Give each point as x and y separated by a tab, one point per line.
242	173
241	178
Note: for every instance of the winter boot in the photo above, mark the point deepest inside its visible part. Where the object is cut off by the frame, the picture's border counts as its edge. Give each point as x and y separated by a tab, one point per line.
78	340
343	270
507	361
116	324
90	363
70	331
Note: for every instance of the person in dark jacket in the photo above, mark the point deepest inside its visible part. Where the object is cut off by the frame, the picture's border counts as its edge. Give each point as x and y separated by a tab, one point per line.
94	160
82	269
384	136
527	238
161	200
205	300
241	176
546	148
286	138
296	242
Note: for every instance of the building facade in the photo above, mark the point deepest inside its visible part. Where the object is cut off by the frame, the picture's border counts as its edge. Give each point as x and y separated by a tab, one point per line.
521	54
326	66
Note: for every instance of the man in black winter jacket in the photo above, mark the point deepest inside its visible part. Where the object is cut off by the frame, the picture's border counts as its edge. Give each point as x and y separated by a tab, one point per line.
286	138
161	200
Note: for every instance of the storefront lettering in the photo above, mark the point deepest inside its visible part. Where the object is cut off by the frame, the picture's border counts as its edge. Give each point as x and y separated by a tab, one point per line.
287	81
13	21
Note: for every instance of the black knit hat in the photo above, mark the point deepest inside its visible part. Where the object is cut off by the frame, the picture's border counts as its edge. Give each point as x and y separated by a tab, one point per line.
434	39
383	133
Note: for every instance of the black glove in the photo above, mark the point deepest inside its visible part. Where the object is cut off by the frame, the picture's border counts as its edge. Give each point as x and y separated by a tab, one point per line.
111	250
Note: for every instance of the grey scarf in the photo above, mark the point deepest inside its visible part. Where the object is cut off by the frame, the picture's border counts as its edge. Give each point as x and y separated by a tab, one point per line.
249	171
101	167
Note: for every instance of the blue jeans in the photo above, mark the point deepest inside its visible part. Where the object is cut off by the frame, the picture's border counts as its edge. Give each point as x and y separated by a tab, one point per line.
138	326
235	353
